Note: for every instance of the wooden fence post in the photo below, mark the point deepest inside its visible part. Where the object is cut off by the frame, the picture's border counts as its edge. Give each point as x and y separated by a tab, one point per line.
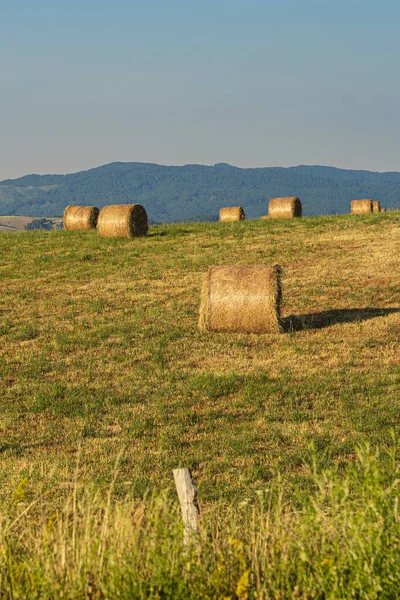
187	495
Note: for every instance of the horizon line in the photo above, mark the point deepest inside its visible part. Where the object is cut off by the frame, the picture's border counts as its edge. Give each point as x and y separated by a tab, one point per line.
219	164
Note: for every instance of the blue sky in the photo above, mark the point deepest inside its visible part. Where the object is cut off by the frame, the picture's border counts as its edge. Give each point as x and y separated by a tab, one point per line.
248	82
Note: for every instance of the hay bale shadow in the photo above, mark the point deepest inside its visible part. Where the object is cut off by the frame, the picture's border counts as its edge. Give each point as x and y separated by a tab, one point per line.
157	234
164	232
327	318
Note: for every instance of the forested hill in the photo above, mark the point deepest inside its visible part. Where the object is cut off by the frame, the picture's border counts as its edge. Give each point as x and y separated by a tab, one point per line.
196	192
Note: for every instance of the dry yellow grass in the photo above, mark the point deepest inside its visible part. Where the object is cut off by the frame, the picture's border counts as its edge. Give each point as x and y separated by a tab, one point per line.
361	207
284	208
80	217
241	299
231	213
122	220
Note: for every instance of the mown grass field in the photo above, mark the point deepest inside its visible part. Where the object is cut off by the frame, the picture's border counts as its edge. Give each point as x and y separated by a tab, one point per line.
99	347
100	357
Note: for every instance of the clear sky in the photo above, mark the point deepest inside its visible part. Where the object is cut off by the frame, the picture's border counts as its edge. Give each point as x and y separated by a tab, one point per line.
248	82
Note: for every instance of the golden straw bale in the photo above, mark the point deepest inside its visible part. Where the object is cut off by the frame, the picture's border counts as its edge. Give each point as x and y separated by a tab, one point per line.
241	299
284	208
231	213
80	217
376	206
122	220
361	207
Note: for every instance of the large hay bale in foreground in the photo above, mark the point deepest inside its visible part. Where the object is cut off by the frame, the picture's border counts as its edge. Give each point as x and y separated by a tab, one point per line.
122	220
285	208
80	217
241	299
231	213
376	206
361	207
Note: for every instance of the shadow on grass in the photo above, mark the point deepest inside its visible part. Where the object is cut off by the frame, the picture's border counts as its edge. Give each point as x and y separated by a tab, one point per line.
331	317
162	233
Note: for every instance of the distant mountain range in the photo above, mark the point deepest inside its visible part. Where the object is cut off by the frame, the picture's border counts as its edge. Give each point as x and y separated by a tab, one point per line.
197	192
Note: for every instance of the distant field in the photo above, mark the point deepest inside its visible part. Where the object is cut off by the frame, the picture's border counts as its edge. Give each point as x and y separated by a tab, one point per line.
12	224
101	362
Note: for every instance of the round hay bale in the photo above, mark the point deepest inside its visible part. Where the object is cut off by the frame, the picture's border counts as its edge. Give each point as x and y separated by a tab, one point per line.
241	299
361	207
231	213
376	206
80	217
122	220
285	208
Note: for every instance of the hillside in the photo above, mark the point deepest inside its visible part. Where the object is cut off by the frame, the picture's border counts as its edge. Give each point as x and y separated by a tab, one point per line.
106	385
196	192
99	344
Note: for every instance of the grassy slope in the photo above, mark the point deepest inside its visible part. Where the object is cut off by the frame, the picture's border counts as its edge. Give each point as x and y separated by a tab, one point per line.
99	346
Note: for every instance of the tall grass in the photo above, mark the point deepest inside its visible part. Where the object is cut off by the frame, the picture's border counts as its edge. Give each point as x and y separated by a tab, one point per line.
340	541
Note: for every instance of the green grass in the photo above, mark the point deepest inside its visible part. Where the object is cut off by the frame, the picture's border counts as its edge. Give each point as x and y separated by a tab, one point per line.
99	349
341	541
